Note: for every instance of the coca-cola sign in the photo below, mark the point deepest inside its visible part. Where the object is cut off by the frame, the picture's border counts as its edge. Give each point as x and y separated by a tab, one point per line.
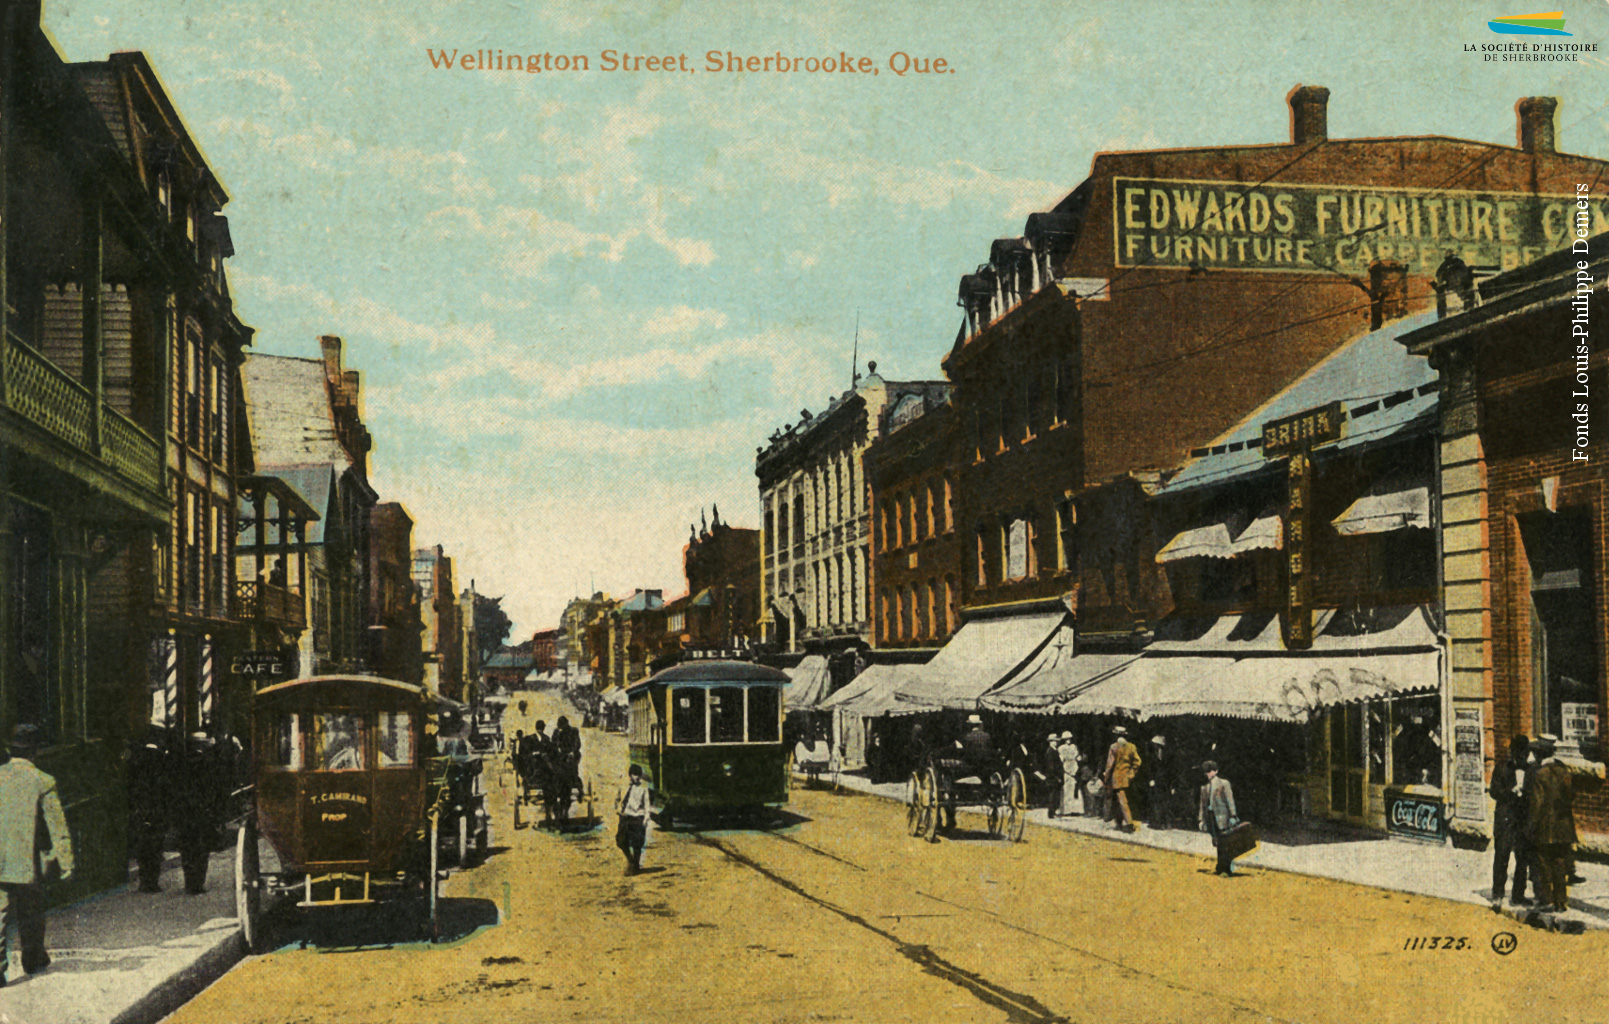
1415	817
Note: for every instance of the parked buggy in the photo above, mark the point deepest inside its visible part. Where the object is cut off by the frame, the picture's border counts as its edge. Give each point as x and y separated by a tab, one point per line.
954	778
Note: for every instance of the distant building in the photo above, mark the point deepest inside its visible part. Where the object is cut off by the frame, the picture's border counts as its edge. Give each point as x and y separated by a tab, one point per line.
816	521
441	641
394	622
545	650
721	608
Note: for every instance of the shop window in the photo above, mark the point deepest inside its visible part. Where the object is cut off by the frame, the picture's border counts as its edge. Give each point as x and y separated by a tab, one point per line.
1408	560
1564	648
1066	550
1415	747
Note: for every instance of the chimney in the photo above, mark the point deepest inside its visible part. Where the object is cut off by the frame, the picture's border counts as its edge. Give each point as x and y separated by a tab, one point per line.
331	347
1536	123
1309	114
349	384
1388	291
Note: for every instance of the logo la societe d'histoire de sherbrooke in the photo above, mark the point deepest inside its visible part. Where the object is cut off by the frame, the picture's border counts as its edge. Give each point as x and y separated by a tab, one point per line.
1550	23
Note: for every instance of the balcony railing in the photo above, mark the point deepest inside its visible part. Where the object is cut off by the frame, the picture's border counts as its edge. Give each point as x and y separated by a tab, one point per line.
39	390
269	603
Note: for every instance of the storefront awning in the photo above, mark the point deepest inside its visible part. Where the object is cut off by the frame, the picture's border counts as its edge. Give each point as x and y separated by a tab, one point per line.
1054	677
980	656
1383	513
1387	652
810	683
1211	541
872	693
1266	533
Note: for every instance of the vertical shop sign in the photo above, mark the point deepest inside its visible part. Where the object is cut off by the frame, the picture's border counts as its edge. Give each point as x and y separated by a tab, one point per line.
1469	765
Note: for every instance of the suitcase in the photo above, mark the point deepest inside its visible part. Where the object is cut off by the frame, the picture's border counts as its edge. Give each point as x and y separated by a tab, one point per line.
1238	841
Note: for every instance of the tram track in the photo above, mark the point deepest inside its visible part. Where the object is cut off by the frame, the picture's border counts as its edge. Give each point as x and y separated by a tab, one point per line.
1018	1006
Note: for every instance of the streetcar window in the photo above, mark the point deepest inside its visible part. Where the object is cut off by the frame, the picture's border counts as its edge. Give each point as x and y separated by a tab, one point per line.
285	746
396	739
687	715
338	742
726	714
763	714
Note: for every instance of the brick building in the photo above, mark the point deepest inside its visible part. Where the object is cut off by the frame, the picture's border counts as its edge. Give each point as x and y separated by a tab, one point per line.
918	549
721	609
1112	338
816	520
441	641
1525	525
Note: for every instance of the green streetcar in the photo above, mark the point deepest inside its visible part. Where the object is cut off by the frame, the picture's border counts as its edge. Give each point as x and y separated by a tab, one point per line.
708	736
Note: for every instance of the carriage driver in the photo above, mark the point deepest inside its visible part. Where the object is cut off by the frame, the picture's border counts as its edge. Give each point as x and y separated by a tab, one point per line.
974	754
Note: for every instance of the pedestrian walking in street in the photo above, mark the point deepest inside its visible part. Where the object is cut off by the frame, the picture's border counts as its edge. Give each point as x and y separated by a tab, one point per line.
632	834
28	858
1122	764
1217	815
1071	798
1551	799
1510	824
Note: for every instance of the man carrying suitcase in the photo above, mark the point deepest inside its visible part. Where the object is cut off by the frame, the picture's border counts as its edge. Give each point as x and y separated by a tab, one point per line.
1218	817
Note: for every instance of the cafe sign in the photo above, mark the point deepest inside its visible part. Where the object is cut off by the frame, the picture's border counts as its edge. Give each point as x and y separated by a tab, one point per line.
1283	226
260	665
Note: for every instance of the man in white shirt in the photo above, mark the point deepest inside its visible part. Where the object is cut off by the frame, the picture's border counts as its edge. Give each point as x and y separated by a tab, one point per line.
27	797
632	834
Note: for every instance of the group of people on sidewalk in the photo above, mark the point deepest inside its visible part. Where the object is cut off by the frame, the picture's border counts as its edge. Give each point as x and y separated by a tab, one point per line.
179	787
550	764
1073	785
1534	790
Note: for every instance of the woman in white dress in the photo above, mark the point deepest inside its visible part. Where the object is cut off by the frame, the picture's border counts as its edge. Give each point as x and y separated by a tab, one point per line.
1072	801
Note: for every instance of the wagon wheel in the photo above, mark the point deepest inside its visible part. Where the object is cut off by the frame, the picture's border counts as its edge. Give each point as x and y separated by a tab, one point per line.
248	886
1016	805
913	804
928	825
997	800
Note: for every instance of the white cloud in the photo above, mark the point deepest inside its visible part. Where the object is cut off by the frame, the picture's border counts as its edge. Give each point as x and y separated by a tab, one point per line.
684	320
360	315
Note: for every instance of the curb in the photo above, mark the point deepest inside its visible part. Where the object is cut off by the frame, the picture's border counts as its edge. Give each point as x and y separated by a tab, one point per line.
186	983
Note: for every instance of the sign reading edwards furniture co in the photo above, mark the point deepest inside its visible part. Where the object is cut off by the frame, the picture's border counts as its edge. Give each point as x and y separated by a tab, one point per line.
1165	222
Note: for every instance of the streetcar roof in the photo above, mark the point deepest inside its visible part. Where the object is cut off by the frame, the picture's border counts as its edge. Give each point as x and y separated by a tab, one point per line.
696	672
372	686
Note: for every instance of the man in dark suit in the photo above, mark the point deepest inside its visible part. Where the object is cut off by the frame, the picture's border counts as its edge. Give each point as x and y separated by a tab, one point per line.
1551	797
1510	824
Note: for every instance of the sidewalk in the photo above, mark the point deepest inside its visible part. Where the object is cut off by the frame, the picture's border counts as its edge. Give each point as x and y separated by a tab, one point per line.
126	957
1340	853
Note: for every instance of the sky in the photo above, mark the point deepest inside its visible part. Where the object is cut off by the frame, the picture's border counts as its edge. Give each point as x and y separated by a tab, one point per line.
580	300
